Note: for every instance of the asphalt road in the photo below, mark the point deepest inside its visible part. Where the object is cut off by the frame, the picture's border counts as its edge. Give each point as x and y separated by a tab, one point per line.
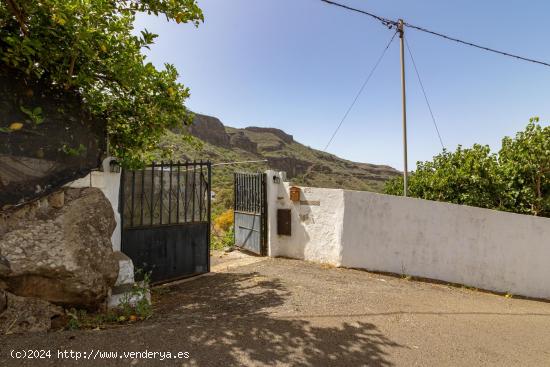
279	312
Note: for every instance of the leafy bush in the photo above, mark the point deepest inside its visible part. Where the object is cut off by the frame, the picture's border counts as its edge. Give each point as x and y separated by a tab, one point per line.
525	162
134	306
222	231
136	302
223	240
224	221
515	180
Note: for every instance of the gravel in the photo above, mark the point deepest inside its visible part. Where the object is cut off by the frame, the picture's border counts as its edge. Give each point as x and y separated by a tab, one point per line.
280	312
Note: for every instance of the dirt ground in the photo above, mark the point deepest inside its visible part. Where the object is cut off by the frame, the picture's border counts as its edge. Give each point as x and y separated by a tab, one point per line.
279	312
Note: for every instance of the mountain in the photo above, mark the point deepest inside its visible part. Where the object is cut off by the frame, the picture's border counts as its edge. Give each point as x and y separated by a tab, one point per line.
303	165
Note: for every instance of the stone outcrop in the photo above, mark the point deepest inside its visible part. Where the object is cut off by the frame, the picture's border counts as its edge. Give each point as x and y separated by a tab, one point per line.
292	166
210	130
24	314
59	249
240	140
287	138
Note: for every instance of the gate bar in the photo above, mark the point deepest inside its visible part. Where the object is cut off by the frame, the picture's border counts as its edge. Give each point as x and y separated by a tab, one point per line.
201	194
142	195
161	187
185	203
194	188
152	191
178	195
170	195
132	201
209	198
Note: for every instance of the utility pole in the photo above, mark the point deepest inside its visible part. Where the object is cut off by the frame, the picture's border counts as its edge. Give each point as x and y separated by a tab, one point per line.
401	30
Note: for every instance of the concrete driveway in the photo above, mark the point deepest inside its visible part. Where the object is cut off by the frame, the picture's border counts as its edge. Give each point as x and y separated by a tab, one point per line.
279	312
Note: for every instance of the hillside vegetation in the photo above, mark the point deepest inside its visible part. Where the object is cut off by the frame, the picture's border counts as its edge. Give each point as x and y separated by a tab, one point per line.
304	166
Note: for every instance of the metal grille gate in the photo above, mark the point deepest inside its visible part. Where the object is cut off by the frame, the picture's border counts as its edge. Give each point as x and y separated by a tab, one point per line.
166	219
251	212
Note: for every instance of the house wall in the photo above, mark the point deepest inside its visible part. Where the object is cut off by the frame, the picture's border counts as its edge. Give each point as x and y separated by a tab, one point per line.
482	248
316	222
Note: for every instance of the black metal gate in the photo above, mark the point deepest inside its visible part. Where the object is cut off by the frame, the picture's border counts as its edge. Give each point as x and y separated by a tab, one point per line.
251	212
166	219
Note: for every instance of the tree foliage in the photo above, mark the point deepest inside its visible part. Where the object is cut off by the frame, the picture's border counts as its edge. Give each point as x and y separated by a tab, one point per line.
525	167
517	179
89	46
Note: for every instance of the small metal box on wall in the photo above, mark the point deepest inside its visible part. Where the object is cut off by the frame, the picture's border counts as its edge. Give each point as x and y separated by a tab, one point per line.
284	222
295	194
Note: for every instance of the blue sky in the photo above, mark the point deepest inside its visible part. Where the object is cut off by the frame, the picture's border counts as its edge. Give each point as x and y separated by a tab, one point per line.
297	65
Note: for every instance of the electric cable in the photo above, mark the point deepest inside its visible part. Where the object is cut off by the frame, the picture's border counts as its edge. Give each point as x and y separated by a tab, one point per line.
360	91
392	23
425	95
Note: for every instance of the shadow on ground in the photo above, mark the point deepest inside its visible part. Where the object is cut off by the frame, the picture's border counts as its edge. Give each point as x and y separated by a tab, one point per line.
227	319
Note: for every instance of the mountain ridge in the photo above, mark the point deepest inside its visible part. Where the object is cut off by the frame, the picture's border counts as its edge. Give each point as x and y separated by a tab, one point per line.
214	141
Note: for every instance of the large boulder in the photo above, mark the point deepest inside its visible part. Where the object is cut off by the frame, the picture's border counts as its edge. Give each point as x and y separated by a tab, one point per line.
61	253
22	314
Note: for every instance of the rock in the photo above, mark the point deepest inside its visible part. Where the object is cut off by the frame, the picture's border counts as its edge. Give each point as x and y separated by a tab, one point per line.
287	138
210	130
62	256
292	166
3	301
240	140
22	314
4	266
57	199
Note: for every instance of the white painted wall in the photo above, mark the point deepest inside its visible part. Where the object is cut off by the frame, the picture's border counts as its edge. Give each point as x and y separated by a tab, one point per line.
316	229
109	183
483	248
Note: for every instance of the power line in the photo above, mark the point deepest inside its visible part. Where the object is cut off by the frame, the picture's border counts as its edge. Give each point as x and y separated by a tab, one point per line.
387	22
503	53
240	162
360	90
391	23
425	95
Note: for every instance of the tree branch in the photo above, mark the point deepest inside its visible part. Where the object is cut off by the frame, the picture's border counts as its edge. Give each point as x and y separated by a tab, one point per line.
12	6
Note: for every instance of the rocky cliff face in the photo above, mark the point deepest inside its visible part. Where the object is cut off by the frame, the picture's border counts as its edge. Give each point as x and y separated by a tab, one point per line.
210	130
240	140
288	139
303	165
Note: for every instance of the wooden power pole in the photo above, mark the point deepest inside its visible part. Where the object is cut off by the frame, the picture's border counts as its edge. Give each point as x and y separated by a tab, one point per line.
401	30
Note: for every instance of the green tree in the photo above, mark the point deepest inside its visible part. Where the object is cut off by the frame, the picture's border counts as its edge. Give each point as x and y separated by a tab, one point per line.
516	180
89	46
525	162
466	176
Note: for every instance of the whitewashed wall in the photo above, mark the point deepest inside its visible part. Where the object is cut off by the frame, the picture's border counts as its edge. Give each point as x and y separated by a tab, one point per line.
316	229
482	248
